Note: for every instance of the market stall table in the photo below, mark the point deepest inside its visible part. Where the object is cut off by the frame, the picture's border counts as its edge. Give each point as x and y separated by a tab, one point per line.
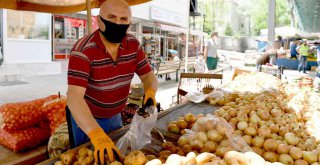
164	118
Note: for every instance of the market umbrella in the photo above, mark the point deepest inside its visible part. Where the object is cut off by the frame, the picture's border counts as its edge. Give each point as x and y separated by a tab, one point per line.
59	6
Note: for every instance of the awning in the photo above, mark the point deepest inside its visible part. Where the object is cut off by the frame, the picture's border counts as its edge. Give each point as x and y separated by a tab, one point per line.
172	28
56	6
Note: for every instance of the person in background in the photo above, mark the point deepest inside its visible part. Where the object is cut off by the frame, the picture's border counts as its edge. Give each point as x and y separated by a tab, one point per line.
101	68
268	56
200	65
211	51
173	56
303	51
280	40
318	55
293	48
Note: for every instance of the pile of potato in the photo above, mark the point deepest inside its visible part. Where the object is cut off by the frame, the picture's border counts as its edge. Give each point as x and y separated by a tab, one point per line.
182	123
82	157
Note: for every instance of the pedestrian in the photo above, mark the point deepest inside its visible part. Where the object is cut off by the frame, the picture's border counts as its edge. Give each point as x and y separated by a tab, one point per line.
211	52
269	57
200	65
303	51
293	48
318	55
101	68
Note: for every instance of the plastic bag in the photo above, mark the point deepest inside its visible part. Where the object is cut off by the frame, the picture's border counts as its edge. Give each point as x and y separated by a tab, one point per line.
59	141
212	129
139	133
198	97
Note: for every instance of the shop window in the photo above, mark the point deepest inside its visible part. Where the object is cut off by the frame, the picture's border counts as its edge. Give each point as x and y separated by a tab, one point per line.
27	25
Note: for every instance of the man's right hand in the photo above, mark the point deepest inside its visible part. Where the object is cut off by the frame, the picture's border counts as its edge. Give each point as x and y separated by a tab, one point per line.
102	143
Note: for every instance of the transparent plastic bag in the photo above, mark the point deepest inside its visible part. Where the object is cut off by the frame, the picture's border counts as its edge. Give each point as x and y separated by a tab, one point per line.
212	129
139	133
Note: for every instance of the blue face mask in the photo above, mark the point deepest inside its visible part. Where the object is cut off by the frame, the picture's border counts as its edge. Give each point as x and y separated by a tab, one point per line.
114	32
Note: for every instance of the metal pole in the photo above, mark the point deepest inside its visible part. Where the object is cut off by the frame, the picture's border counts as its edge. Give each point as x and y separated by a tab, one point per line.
89	18
271	22
187	41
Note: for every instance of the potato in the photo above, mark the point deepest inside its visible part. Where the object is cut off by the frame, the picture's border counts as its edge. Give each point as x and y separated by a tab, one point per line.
88	160
190	158
165	153
163	158
68	157
81	158
135	158
234	157
83	151
90	152
174	159
76	163
58	163
254	158
154	162
204	157
150	157
115	163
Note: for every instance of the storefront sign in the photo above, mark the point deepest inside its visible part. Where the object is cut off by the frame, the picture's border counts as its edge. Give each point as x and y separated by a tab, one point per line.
165	16
173	29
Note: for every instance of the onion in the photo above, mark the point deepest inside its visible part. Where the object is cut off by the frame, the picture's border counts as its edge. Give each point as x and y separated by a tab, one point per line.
285	159
283	131
201	136
238	132
196	145
264	131
310	144
270	145
247	139
275	112
258	141
242	125
279	121
255	119
301	146
250	131
210	146
213	135
291	138
274	128
221	112
270	156
283	149
274	136
258	150
221	151
222	129
224	143
252	113
182	141
226	116
242	117
253	125
295	153
264	115
310	156
300	162
233	121
232	112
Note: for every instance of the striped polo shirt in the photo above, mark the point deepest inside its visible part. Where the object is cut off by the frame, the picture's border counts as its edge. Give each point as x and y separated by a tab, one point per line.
107	82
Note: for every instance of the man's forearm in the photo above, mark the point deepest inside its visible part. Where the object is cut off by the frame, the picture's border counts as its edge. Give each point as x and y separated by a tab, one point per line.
150	81
82	114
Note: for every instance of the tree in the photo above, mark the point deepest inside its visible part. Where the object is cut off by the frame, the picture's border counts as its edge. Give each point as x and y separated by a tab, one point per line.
228	31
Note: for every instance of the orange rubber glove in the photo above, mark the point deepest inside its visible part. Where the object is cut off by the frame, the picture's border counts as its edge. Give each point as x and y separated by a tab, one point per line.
102	142
149	98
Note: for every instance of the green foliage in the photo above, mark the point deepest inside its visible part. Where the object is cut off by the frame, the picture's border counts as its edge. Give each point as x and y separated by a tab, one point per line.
228	31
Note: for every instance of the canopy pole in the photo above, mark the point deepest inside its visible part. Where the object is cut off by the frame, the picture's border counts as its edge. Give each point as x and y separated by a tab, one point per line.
271	22
89	18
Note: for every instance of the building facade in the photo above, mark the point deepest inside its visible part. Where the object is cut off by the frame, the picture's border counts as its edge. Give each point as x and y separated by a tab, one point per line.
37	43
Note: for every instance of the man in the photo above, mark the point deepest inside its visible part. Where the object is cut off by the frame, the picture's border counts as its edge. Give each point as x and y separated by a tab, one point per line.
101	68
303	51
211	52
293	48
270	57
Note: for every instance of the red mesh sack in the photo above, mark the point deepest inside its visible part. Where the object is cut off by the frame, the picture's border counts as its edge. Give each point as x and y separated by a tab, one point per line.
16	116
23	139
55	112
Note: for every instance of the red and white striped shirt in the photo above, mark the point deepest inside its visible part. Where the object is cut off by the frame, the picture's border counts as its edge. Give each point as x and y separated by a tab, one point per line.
107	82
